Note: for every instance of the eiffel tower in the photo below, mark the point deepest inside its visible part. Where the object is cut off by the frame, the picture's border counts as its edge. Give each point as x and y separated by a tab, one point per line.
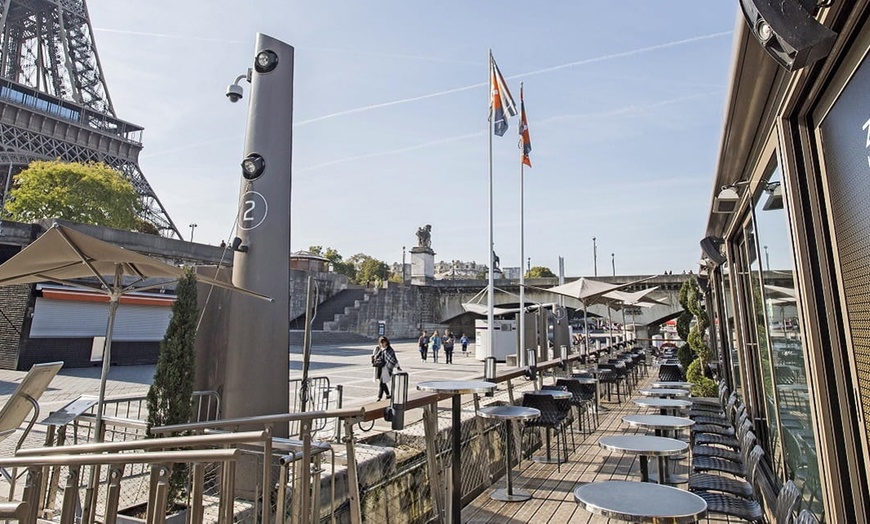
54	102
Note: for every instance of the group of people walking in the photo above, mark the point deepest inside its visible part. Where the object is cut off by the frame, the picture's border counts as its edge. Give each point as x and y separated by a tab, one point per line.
436	342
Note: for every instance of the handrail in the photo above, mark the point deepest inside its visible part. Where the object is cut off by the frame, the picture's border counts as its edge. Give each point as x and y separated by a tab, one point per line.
214	439
259	420
13	510
420	399
149	457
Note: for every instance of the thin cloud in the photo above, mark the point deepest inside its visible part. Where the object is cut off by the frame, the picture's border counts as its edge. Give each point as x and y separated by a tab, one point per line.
452	91
317	49
169	36
631	110
587	61
390	152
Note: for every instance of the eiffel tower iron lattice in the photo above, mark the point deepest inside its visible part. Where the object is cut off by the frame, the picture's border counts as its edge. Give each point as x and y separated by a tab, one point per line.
54	102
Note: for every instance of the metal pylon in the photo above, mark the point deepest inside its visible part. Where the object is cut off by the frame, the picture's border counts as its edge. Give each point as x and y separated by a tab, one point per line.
54	102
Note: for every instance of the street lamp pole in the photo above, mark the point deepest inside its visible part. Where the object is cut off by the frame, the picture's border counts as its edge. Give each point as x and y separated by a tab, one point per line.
403	265
192	227
594	256
613	262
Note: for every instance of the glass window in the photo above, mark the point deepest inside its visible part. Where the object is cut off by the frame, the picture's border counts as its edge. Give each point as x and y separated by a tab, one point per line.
785	380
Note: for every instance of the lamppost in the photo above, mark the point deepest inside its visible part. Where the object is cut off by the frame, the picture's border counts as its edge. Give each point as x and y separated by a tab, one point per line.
529	264
766	258
613	262
403	265
192	227
594	256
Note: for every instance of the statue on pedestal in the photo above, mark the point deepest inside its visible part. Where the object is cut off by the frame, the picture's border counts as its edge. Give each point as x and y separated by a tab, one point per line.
424	236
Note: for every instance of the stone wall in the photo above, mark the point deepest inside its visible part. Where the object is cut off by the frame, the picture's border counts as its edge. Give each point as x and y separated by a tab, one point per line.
328	285
406	310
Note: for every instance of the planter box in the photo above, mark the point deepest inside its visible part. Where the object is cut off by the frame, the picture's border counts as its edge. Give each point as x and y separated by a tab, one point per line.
179	517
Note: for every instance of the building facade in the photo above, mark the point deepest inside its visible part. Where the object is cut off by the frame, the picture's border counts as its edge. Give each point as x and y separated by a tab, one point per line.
787	255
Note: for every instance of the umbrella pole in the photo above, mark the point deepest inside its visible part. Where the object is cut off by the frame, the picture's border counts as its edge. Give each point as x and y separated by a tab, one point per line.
586	328
114	300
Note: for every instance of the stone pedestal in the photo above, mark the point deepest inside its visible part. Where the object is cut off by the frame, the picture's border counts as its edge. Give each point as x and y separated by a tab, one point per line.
422	266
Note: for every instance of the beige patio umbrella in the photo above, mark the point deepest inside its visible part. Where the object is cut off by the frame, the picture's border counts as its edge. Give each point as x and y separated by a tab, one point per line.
64	255
619	299
588	292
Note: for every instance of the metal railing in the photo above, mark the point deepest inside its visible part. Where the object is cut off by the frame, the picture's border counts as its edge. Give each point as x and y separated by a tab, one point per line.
303	454
160	464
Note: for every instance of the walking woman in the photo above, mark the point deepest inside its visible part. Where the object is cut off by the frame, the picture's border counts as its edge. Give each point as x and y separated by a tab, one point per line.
385	363
436	345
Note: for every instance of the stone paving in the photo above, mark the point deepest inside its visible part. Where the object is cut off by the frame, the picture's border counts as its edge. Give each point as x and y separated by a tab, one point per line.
345	364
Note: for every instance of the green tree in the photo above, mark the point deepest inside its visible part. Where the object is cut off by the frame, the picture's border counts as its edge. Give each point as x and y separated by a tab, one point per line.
372	269
91	193
539	272
170	392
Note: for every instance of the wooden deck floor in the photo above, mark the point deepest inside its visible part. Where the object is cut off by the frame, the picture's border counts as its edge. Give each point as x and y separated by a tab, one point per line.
552	488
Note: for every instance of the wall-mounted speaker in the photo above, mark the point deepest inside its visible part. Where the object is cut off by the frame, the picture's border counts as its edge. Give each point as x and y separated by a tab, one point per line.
788	31
710	247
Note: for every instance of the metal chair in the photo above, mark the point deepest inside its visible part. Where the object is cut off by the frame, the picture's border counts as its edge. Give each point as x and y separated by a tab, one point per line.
670	373
713	458
580	400
608	375
786	502
724	504
553	414
569	418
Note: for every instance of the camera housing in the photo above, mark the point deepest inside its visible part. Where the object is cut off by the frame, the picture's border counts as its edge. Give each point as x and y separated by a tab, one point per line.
234	92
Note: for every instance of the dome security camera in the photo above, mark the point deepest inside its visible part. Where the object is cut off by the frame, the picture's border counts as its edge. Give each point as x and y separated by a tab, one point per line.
234	92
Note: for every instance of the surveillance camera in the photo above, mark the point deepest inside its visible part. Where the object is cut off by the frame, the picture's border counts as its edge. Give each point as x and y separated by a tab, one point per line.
234	92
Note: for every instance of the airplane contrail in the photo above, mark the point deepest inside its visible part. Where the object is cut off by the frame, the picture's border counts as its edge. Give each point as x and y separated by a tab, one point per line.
390	152
447	92
318	49
167	35
586	61
626	110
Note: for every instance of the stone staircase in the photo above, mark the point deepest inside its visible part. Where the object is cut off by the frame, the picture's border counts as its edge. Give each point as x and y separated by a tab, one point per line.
328	309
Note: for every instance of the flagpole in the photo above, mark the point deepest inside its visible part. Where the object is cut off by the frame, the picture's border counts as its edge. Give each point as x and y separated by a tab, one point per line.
490	315
521	350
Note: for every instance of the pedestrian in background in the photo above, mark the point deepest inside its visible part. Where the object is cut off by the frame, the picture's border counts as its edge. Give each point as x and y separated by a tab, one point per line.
464	341
423	342
436	345
449	342
385	363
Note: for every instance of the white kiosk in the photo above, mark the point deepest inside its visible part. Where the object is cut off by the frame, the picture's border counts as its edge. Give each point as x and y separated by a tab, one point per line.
504	337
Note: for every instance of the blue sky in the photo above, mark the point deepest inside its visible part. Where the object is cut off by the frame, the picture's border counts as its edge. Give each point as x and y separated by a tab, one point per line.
625	103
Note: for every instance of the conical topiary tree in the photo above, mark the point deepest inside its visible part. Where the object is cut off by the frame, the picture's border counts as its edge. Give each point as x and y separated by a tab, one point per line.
170	393
703	386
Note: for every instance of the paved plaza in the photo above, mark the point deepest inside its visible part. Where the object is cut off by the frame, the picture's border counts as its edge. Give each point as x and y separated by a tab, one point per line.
348	365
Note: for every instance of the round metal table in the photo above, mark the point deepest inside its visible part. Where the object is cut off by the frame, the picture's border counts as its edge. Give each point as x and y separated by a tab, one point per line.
646	446
508	414
640	502
456	388
661	424
658	423
670	384
555	393
666	406
664	392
